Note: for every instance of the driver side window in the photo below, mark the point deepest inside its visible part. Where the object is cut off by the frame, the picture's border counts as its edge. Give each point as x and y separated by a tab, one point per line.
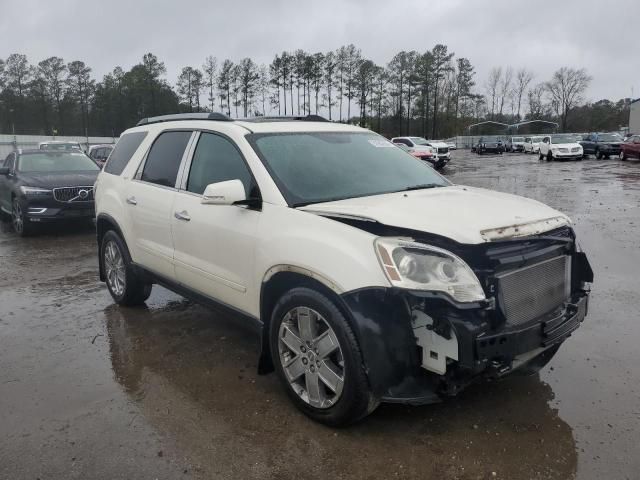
216	159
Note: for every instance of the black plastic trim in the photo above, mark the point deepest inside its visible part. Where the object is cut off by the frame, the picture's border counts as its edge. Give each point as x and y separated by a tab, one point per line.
254	322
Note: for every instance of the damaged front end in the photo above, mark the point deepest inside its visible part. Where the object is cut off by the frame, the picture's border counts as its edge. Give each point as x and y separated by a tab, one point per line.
419	346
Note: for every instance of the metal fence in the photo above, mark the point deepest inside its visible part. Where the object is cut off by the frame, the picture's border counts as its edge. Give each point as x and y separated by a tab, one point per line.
9	143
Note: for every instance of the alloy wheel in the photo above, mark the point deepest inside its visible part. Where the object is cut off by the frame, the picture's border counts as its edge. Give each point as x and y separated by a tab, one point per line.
115	269
17	218
311	357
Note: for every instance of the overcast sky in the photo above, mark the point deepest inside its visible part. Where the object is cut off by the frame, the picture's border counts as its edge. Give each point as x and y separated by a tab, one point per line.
544	35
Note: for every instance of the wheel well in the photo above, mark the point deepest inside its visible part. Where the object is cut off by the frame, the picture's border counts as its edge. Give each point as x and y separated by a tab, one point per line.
271	292
103	225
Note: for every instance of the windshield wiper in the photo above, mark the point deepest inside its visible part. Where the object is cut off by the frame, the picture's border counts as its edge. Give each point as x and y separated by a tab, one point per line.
420	187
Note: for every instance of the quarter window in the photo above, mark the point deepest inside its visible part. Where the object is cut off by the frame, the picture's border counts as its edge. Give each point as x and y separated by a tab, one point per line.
164	158
124	150
216	159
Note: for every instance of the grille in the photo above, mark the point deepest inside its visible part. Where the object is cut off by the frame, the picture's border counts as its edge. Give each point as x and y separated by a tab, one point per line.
73	194
533	291
443	150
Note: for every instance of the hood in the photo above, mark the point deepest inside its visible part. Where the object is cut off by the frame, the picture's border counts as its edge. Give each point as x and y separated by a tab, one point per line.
61	179
439	144
464	214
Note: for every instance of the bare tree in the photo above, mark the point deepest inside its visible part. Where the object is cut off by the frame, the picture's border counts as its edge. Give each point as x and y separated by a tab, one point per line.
535	98
492	85
209	68
566	88
523	79
505	87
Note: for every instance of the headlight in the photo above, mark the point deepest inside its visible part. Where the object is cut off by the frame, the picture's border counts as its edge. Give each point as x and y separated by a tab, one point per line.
34	191
416	266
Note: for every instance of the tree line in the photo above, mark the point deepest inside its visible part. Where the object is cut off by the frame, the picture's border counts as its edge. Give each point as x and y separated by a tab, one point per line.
432	94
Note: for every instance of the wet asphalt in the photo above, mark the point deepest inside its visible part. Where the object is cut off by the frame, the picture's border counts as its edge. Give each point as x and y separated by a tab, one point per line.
91	390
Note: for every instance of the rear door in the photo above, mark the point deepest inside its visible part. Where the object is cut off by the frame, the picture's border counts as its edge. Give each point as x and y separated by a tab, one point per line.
149	201
215	244
634	146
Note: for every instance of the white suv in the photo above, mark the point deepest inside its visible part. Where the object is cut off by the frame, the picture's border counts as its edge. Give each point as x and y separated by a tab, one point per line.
369	276
560	147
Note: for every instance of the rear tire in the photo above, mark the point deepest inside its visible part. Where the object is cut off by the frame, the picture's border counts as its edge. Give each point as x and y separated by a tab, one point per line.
623	157
124	283
598	154
540	156
302	357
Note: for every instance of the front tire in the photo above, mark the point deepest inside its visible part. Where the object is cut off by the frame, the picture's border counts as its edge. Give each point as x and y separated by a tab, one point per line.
549	157
19	220
318	359
622	155
125	285
598	154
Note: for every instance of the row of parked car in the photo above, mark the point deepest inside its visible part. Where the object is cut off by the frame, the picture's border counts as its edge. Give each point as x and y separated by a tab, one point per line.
569	146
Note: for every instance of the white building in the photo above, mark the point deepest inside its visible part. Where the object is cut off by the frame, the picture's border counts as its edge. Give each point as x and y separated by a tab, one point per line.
634	117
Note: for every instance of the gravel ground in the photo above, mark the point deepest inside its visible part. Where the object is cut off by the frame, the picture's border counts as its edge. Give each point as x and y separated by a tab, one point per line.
91	390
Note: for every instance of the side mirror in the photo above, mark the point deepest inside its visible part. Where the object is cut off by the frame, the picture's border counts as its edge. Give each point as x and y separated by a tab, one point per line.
4	171
224	193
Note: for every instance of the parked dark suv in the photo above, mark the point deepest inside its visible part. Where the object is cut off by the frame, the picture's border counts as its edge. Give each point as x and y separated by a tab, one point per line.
38	186
602	145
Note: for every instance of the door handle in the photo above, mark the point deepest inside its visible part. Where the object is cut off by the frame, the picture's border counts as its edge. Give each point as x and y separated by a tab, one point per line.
183	215
132	201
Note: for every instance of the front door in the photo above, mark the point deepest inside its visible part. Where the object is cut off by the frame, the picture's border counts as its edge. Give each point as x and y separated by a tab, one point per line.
215	244
149	201
5	184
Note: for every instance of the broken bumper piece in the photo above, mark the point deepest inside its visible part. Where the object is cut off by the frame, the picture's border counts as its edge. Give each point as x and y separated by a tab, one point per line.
419	347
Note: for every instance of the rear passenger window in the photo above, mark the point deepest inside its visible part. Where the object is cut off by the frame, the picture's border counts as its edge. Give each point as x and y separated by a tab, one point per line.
124	150
164	158
216	159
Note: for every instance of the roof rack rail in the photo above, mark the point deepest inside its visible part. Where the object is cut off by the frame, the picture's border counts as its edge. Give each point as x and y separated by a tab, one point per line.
291	118
221	117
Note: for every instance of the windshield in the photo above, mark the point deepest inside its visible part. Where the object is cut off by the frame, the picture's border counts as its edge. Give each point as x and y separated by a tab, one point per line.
517	139
324	166
55	162
419	141
563	139
610	137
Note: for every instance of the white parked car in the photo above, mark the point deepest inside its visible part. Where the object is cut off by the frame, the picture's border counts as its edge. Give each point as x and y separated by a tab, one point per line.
532	144
560	147
370	277
59	145
439	149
